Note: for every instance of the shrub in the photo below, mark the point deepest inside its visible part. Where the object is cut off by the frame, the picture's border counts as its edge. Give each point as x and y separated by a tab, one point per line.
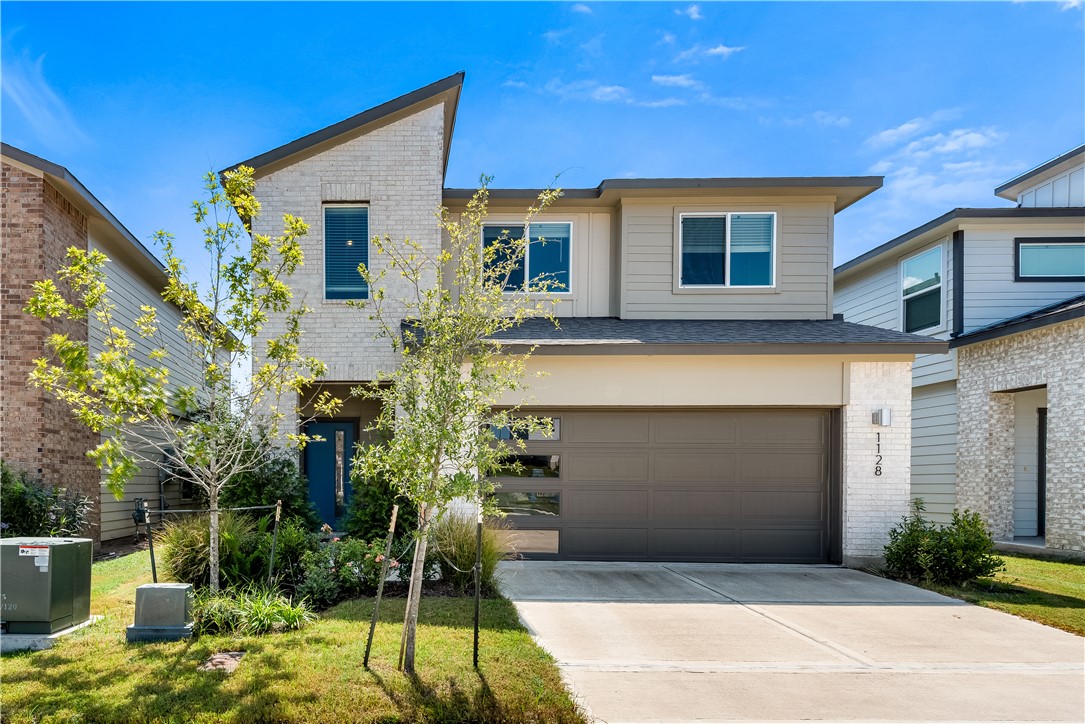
244	550
30	508
319	586
370	510
454	538
276	478
248	611
947	555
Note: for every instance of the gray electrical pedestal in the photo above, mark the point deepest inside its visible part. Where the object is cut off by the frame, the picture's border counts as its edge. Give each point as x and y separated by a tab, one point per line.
44	584
163	613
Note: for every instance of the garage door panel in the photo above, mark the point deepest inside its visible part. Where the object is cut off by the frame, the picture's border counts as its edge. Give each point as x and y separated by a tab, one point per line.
670	504
619	466
776	544
770	428
782	466
601	427
695	543
694	428
700	485
603	542
792	506
693	465
606	504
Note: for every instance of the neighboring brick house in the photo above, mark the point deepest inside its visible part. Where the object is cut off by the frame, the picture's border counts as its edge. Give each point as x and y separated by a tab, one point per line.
45	211
999	421
707	404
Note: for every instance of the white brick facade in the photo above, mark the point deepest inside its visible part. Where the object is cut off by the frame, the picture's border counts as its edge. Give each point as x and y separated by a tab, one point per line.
397	170
989	371
874	503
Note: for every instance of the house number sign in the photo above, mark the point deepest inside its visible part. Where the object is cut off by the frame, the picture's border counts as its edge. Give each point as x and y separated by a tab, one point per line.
878	454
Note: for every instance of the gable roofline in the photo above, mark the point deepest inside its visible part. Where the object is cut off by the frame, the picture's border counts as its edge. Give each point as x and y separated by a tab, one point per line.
452	85
66	182
1010	189
1064	311
847	189
948	222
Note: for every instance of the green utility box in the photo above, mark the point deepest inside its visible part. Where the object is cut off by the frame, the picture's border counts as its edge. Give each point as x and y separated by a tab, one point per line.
44	584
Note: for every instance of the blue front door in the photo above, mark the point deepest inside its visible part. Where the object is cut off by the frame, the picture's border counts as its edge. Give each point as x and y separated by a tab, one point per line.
327	465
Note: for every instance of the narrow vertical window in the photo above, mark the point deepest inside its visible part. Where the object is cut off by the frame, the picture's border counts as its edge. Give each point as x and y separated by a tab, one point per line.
921	290
346	247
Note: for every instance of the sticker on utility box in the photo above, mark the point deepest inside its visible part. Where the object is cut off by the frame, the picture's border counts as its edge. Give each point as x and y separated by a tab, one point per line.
40	555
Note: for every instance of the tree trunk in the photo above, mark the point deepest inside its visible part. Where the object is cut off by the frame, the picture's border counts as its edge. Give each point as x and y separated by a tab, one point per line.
418	568
214	540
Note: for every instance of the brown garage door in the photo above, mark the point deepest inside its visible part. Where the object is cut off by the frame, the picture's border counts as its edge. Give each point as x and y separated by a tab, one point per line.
697	485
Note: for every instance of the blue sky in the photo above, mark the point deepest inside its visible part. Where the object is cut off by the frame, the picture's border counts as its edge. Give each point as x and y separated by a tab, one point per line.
946	100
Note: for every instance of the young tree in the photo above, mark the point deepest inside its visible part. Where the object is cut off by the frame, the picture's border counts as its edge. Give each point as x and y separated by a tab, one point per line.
204	428
437	409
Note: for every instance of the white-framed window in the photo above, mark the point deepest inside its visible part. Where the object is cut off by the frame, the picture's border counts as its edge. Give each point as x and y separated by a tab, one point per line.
346	246
547	261
922	291
727	249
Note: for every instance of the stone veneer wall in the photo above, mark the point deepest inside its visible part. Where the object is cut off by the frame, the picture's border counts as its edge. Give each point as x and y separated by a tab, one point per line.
875	503
37	432
988	373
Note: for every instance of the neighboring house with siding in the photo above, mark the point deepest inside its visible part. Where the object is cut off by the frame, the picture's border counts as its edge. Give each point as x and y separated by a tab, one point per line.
998	423
707	404
46	210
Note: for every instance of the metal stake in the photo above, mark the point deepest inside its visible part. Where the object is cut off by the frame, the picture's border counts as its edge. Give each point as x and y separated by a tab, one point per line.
150	545
274	539
478	583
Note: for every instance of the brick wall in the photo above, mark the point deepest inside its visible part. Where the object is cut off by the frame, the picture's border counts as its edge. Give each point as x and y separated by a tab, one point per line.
397	170
37	432
874	503
1054	357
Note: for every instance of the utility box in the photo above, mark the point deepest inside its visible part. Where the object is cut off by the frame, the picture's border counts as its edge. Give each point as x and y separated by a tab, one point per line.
44	584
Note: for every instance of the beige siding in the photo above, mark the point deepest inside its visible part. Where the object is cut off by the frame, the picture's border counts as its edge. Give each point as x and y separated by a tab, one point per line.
803	263
991	294
129	291
934	448
1025	459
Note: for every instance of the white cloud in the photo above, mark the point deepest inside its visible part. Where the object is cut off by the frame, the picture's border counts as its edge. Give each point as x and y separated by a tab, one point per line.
593	47
607	93
45	112
699	52
514	84
555	36
723	51
910	129
693	12
956	141
661	103
668	38
1070	5
830	119
594	91
582	8
677	81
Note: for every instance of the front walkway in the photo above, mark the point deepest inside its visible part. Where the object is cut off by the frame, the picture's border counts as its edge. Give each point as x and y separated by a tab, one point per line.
681	642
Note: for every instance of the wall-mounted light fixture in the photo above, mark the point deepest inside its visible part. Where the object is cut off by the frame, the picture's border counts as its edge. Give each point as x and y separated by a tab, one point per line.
883	417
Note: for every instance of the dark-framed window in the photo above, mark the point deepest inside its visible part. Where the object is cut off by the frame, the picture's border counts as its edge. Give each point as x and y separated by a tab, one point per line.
547	261
734	249
1049	259
346	247
921	291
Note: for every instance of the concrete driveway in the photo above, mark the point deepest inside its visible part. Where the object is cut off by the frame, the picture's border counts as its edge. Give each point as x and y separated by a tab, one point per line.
685	642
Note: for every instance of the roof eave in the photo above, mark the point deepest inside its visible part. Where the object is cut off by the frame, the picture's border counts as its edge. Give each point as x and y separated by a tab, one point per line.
549	347
1027	325
1014	186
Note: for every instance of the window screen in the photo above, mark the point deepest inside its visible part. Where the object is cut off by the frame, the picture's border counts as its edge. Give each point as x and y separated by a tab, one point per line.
346	246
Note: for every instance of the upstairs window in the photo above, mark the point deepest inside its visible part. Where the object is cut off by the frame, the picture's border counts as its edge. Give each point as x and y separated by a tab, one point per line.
727	250
346	246
1059	259
547	260
921	290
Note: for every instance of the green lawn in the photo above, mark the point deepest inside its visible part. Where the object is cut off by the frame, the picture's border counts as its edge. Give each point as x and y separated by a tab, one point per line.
312	675
1047	591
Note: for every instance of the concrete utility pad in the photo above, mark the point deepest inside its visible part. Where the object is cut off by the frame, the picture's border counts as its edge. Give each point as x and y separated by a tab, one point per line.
680	642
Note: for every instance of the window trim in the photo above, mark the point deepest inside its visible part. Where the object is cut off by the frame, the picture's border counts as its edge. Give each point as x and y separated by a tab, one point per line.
727	250
1018	242
324	249
567	294
941	326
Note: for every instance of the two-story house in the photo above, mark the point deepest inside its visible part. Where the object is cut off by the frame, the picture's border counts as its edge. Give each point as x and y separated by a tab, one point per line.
707	406
999	421
46	210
